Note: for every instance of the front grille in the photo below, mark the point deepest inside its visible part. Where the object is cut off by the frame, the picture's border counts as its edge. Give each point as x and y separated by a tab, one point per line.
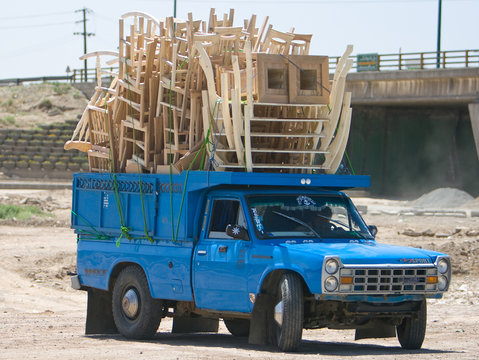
391	280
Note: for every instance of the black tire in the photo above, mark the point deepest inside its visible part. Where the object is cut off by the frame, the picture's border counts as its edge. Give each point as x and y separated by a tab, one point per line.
412	331
136	314
287	323
237	327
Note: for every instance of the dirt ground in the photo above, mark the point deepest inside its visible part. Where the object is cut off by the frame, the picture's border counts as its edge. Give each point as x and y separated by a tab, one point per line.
27	106
41	317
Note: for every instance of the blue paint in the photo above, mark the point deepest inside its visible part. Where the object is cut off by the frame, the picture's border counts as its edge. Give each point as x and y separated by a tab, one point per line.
217	272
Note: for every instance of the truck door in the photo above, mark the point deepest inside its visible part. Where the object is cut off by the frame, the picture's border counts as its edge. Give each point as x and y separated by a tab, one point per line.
220	261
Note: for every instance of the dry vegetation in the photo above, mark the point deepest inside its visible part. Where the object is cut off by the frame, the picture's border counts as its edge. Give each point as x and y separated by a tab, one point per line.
27	106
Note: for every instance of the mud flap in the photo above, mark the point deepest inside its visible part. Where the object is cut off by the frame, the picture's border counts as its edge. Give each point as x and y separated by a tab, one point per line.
378	330
99	316
186	324
260	325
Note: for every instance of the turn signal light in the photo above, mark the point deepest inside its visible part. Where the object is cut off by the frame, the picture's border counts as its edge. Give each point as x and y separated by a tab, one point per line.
431	280
346	280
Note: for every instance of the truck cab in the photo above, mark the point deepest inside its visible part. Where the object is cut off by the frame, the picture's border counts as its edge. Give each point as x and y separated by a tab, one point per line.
270	254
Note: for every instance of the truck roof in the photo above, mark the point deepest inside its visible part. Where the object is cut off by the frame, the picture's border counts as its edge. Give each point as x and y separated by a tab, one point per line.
203	179
198	180
106	203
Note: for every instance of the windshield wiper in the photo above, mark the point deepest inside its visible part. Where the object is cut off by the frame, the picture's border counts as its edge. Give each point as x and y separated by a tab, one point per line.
292	218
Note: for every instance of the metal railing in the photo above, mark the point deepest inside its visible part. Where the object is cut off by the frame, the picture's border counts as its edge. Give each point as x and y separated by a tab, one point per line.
79	75
19	81
385	62
420	60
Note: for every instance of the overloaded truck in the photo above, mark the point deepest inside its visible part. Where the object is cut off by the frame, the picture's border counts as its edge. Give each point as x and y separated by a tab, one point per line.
269	254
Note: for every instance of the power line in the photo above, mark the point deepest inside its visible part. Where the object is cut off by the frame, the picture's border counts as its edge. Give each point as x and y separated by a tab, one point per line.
34	16
106	18
318	2
35	26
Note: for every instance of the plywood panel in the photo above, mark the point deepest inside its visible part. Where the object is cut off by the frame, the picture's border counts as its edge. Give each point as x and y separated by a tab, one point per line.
308	79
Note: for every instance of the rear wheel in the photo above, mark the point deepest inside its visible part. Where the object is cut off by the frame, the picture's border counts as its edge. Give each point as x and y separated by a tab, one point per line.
136	314
411	331
237	327
287	326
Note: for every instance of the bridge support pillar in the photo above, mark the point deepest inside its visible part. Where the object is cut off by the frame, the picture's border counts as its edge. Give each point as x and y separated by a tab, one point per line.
474	115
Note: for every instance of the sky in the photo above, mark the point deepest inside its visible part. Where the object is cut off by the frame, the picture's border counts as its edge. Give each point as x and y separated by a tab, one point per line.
38	38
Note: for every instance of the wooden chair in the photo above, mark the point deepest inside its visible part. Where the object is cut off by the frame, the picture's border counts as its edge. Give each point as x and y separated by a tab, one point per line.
227	20
300	44
136	93
95	132
276	42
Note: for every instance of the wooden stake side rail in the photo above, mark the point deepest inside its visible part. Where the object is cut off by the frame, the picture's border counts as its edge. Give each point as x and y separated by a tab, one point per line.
195	99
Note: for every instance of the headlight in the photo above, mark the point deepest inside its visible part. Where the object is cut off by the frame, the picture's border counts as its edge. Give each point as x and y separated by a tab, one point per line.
443	266
331	283
331	266
442	283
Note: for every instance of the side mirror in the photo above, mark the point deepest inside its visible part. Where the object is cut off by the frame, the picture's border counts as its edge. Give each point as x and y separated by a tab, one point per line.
373	229
237	232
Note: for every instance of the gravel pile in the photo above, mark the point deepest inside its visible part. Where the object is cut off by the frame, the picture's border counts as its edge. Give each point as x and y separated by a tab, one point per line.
443	198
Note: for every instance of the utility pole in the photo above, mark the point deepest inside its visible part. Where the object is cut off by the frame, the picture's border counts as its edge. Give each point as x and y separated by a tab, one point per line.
85	35
439	15
174	8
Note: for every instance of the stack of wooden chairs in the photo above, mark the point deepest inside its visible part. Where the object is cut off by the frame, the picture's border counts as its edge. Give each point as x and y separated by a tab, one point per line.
196	95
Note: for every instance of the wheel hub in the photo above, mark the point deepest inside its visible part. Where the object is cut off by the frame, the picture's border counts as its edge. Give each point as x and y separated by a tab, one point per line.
130	303
278	313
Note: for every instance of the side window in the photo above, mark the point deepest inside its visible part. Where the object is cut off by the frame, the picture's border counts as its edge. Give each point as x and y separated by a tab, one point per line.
225	212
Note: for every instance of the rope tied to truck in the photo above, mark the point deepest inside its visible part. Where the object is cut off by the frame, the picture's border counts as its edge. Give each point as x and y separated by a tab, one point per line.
202	150
145	226
125	230
97	234
170	120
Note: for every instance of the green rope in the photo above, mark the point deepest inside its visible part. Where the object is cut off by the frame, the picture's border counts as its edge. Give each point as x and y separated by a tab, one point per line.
184	191
138	164
99	235
349	162
124	229
170	117
203	150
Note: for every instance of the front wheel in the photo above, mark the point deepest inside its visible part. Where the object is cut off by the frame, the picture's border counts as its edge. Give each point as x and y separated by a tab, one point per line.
411	331
136	314
288	313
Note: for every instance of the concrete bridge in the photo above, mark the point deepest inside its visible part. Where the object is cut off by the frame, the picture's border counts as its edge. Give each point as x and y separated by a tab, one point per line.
411	129
415	87
416	116
419	87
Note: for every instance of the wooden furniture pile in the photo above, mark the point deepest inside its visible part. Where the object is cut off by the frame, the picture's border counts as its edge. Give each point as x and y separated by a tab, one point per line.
197	95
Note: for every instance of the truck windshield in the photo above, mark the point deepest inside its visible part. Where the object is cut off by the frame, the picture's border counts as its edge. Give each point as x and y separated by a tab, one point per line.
306	216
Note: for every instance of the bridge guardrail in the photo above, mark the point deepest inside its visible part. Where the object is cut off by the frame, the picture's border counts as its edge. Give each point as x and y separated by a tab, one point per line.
420	60
19	81
386	62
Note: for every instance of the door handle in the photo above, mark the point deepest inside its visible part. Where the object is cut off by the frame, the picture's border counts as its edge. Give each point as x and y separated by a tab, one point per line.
201	252
223	249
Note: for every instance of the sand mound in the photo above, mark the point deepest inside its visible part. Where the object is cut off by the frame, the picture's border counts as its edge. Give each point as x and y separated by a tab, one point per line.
443	198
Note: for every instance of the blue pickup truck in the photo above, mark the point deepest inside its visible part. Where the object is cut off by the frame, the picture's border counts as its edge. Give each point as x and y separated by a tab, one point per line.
269	254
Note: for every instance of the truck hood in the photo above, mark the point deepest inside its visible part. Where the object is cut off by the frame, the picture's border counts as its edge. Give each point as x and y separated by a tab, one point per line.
365	252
